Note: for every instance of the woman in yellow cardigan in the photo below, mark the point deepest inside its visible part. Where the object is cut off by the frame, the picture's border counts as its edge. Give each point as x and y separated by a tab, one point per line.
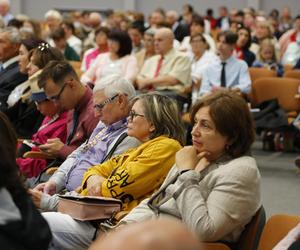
131	177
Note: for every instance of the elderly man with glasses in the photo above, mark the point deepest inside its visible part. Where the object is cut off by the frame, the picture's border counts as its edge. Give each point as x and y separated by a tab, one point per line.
10	75
111	96
62	86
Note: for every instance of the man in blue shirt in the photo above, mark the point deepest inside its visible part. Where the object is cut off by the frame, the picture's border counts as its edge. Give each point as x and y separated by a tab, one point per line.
228	71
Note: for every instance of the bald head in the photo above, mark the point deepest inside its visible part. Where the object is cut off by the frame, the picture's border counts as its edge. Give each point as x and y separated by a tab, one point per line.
171	17
149	235
163	40
94	20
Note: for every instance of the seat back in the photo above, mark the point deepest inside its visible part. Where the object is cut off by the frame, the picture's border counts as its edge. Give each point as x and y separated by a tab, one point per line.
284	89
276	229
215	246
257	73
293	74
250	236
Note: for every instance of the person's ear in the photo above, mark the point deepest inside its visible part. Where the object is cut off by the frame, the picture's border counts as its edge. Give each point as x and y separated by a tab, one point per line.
122	101
152	128
71	83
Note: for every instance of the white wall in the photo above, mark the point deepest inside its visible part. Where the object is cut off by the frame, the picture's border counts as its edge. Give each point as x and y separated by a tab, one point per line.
37	8
199	5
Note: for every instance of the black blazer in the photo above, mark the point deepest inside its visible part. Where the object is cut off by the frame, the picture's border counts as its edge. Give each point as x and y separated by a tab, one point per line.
181	31
10	77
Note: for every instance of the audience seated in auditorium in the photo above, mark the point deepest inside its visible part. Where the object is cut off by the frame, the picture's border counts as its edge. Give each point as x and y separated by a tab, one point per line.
73	41
60	42
118	60
243	44
180	29
267	57
152	235
223	20
10	75
157	18
214	186
5	11
93	23
54	125
136	33
286	20
20	109
89	57
201	58
145	167
62	86
111	96
290	36
34	26
196	27
263	30
53	20
22	226
228	72
169	69
148	51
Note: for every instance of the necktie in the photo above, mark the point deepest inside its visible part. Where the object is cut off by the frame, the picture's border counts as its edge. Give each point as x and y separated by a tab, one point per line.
158	67
74	126
223	75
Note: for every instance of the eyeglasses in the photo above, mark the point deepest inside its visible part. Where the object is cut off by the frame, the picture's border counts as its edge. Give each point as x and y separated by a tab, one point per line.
101	105
39	102
55	98
132	114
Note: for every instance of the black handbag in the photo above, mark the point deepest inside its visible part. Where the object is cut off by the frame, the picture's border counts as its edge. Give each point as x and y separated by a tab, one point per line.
270	116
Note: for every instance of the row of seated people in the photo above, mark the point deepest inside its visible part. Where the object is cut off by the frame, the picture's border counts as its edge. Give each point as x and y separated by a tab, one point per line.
195	186
97	179
170	71
172	75
44	53
217	152
201	53
261	27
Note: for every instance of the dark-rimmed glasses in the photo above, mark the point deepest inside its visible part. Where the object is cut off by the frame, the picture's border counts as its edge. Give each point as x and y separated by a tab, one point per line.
101	105
132	114
55	98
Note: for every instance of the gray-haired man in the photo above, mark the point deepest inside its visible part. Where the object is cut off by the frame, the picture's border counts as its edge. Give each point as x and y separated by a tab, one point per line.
10	76
112	105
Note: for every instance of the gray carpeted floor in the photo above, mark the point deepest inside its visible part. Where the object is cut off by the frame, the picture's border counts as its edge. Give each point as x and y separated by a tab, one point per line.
280	182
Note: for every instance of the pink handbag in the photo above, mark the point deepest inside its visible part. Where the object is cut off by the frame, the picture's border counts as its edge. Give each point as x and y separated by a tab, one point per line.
86	208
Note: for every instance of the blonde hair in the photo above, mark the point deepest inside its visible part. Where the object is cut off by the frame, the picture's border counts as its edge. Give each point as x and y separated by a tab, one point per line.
163	113
267	43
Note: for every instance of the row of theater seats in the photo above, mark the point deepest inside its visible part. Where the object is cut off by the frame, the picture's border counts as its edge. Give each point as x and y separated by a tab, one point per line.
266	86
259	235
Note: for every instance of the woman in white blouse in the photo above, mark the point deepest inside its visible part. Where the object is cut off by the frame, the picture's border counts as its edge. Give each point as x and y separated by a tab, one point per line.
201	58
117	61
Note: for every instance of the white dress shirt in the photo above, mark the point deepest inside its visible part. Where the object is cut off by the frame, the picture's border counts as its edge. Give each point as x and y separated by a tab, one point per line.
236	71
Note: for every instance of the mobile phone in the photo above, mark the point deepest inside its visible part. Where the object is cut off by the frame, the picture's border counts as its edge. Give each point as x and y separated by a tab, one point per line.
36	143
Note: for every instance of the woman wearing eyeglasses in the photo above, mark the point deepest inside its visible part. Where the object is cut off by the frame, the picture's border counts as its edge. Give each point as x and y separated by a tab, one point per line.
214	187
54	122
131	177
